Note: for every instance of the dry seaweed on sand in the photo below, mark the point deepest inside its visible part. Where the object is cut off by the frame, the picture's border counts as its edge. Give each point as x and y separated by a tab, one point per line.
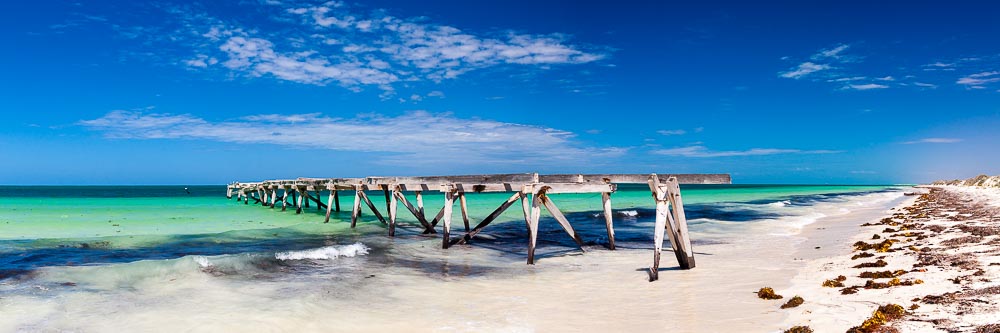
881	316
849	290
962	260
882	246
988	328
768	293
793	302
877	263
871	284
835	283
962	240
862	255
798	329
881	274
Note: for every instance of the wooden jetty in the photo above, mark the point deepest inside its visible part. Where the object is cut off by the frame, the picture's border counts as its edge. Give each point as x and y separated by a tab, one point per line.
531	189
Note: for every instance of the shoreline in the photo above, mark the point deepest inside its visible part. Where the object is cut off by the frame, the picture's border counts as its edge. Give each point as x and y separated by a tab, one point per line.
942	246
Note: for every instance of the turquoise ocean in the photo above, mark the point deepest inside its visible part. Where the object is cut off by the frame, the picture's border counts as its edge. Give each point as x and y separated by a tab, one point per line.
87	258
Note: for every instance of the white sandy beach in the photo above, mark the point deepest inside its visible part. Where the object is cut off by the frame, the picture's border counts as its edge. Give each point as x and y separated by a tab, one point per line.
956	261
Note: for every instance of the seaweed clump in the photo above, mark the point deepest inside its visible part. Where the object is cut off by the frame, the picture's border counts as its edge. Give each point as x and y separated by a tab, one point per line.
882	246
793	302
835	283
877	263
881	316
862	255
988	328
768	293
881	274
871	284
849	290
801	329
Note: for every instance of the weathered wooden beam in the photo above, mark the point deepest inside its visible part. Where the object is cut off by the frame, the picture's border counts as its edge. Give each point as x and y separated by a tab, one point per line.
465	210
274	197
665	219
685	255
329	205
449	201
533	226
357	208
486	221
392	212
606	199
434	222
371	206
299	200
635	178
336	198
558	215
284	198
416	213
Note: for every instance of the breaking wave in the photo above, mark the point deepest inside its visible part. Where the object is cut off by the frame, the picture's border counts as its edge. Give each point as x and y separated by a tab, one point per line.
325	253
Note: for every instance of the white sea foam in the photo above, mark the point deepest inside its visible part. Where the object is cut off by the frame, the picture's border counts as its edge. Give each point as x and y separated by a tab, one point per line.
780	203
202	261
628	213
326	252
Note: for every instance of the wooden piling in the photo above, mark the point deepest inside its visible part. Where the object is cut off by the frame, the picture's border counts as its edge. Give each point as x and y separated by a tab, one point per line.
449	201
336	198
329	205
606	199
533	227
299	200
357	207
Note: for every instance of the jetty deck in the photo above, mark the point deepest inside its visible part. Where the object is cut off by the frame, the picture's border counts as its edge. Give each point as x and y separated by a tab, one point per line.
531	189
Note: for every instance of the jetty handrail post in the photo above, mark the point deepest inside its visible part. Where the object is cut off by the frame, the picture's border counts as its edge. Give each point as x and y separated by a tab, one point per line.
666	195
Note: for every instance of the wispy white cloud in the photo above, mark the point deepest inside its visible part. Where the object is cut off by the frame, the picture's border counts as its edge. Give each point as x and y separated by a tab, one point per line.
939	66
672	132
848	79
979	80
804	69
413	137
867	86
354	47
702	151
925	85
835	52
933	140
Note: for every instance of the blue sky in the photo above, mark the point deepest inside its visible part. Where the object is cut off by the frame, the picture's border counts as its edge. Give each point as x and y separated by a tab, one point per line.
98	92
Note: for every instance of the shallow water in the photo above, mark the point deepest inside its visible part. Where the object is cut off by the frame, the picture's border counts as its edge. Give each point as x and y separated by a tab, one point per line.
166	259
